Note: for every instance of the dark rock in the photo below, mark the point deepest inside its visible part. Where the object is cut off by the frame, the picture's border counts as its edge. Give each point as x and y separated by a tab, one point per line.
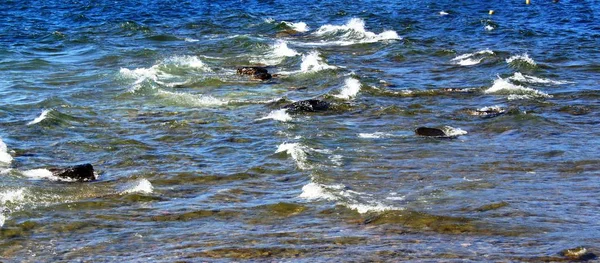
82	172
430	132
261	76
252	70
578	253
308	106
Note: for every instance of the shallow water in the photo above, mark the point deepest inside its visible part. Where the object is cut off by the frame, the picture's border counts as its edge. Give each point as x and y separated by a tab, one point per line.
197	163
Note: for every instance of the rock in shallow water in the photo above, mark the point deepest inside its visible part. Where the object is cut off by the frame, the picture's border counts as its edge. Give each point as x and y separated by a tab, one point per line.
430	132
82	172
578	253
307	106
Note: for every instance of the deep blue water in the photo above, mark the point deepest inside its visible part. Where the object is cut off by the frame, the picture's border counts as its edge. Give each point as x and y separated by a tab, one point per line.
197	163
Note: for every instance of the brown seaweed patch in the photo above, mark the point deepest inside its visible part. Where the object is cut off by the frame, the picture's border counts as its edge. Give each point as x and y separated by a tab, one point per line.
252	253
18	230
284	209
188	178
439	223
188	216
492	206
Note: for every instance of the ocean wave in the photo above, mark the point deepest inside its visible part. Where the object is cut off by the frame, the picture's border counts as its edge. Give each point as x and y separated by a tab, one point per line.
353	32
10	197
453	132
141	186
278	115
45	174
313	62
191	100
521	59
375	135
298	26
517	76
298	153
503	87
350	89
40	118
470	59
276	54
361	202
5	157
314	191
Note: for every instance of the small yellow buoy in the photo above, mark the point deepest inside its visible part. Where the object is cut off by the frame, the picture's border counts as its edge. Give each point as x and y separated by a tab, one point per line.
492	11
527	1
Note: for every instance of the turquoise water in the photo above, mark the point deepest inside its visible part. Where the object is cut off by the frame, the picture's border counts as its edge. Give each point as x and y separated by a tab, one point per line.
197	163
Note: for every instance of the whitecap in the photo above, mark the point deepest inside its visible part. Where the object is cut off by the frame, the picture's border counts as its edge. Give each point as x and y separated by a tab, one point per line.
187	62
187	39
371	207
521	58
193	100
443	13
489	28
312	62
350	89
12	196
495	108
278	115
44	174
277	52
517	76
314	191
141	186
40	118
375	135
470	59
501	86
353	32
453	132
298	26
5	157
297	151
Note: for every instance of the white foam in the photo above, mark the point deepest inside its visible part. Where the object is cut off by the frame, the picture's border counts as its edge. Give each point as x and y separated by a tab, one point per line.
298	27
453	132
193	100
495	108
443	13
281	49
354	32
12	196
375	135
277	52
314	191
524	58
187	39
374	207
502	86
312	62
187	61
40	118
297	152
141	186
39	174
5	157
489	28
470	59
278	115
531	79
350	89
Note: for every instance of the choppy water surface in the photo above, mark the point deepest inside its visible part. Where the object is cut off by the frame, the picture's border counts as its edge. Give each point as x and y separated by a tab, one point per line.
197	163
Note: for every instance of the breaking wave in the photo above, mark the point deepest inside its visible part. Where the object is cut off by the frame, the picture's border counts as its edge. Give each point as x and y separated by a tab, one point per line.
142	186
350	89
353	32
40	118
503	87
313	62
278	115
535	80
470	59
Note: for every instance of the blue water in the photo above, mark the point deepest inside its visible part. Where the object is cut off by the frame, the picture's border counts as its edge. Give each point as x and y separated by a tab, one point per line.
197	163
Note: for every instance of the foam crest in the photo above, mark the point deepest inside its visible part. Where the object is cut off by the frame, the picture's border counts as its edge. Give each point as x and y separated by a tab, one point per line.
297	151
502	86
187	62
141	186
315	191
312	62
375	135
524	58
443	13
535	80
489	28
354	32
495	108
278	115
298	27
371	207
40	118
192	100
5	157
470	59
453	132
12	196
281	49
39	174
350	89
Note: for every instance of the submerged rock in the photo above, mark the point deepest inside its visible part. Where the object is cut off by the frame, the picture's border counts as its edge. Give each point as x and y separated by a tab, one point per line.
257	73
82	172
311	105
487	112
578	253
430	132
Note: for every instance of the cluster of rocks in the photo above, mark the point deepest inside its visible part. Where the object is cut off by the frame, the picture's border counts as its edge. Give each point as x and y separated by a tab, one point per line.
256	73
